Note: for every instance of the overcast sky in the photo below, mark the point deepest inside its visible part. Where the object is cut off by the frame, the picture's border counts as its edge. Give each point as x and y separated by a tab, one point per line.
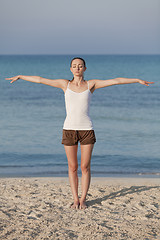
80	26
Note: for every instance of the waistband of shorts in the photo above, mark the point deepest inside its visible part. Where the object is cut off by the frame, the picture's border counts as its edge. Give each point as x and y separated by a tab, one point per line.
79	129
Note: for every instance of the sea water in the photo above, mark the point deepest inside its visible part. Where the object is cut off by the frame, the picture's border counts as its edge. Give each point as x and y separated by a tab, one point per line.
126	118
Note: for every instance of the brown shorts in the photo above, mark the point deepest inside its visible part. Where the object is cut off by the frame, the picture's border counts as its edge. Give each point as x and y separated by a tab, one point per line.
71	137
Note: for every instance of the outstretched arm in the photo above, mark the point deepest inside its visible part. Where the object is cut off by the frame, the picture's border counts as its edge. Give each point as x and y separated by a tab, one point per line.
106	83
59	83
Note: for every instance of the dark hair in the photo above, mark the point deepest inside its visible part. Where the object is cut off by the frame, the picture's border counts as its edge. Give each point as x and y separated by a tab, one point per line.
80	59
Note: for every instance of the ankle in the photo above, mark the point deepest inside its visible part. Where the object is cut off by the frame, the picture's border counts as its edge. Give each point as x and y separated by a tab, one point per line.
76	201
83	200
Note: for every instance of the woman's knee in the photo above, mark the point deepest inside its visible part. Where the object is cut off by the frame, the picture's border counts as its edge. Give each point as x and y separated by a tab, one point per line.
85	168
73	167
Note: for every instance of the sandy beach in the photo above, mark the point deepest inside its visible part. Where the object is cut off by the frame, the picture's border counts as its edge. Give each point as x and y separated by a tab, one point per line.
118	208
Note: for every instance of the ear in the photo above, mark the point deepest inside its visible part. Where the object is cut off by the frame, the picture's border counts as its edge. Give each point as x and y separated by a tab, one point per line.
70	69
85	69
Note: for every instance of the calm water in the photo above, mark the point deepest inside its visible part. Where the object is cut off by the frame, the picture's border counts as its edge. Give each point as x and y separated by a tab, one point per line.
126	118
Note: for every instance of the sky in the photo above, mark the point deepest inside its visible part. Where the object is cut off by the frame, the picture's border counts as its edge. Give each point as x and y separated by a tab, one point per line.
80	27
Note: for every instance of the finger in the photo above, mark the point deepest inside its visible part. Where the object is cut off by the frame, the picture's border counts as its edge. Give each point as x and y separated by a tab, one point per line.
8	78
149	82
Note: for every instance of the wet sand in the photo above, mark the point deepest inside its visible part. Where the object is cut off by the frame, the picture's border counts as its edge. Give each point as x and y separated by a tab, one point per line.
118	208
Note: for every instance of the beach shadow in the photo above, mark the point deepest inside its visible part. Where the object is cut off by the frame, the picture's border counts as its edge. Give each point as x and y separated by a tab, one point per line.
121	193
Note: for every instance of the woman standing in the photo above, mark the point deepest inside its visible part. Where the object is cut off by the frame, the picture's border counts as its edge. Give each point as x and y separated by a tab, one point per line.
78	126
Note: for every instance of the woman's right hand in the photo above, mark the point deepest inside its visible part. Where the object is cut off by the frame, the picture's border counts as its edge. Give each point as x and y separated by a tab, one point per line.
13	79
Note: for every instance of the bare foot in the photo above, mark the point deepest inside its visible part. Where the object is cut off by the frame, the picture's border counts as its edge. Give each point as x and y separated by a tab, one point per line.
82	205
74	205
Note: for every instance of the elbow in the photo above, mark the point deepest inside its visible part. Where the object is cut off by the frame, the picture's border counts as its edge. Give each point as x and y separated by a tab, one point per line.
39	79
117	81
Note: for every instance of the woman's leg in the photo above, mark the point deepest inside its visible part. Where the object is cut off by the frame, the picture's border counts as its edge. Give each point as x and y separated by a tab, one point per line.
71	152
86	153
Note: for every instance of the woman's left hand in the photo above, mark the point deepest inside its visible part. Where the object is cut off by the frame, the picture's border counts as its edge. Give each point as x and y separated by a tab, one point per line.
144	82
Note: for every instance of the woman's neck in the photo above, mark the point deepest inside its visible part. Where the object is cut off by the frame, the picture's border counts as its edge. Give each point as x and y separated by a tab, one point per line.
78	80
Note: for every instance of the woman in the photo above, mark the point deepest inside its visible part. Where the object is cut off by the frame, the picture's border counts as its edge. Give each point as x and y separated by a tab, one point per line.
78	125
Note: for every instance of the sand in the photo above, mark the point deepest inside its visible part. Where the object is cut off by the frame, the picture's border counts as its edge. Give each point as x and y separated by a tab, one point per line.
118	208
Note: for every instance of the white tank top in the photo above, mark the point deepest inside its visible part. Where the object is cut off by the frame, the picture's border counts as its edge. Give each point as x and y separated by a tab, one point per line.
77	110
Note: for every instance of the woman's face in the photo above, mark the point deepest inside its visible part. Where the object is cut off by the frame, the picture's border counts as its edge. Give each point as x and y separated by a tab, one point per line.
77	67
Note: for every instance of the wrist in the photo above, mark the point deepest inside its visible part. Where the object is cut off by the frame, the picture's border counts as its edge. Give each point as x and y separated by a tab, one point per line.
138	80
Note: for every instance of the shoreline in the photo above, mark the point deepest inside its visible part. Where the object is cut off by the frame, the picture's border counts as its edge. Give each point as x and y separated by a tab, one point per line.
144	175
94	180
118	208
79	177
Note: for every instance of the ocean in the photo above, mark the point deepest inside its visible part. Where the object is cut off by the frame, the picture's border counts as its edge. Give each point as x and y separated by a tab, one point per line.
126	118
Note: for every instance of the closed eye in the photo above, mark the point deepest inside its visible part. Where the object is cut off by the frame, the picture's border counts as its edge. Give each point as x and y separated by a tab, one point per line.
79	66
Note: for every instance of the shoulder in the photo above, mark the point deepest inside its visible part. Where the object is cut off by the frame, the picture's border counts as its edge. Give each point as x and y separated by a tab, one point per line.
64	84
92	83
65	81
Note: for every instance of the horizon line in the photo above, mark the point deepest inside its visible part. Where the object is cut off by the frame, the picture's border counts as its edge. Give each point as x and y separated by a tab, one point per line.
71	54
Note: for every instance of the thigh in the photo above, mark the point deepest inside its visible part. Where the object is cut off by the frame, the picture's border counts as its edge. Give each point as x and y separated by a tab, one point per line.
71	152
86	153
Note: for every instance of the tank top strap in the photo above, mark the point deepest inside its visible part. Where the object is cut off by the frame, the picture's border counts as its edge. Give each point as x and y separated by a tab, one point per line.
68	84
88	85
